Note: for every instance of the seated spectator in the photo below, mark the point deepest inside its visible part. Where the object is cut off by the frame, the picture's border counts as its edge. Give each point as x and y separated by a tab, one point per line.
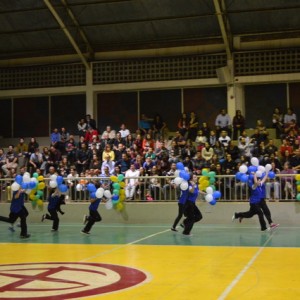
287	182
272	159
259	136
224	139
238	124
11	161
123	163
147	142
108	163
145	124
117	140
219	151
260	126
292	137
83	157
289	116
90	135
108	151
199	163
271	148
245	148
124	131
82	127
207	152
183	125
161	151
150	153
277	122
54	137
129	141
188	163
131	182
95	163
70	149
147	165
295	161
22	151
229	164
32	145
285	146
91	123
233	150
2	159
35	161
205	129
180	139
188	150
212	138
169	185
288	127
174	153
200	140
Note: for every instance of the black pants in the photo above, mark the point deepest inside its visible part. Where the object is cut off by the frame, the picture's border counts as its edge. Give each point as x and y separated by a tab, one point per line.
192	214
22	214
255	209
180	214
92	219
54	217
266	210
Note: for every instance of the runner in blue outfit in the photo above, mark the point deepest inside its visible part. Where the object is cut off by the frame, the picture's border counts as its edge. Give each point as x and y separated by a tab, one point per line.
181	203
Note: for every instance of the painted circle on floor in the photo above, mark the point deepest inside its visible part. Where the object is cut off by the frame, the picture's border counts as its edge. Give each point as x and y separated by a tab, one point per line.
65	280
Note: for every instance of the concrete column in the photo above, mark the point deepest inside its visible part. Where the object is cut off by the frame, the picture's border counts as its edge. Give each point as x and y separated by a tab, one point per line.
235	99
90	95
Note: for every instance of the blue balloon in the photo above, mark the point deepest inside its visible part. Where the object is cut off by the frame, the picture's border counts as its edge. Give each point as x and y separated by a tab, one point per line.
62	188
186	176
217	194
182	174
180	166
238	175
19	179
24	185
244	178
59	180
252	169
93	195
213	202
32	185
91	188
115	197
271	175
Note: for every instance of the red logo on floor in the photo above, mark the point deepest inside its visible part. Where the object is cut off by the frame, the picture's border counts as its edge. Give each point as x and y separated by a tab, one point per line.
65	280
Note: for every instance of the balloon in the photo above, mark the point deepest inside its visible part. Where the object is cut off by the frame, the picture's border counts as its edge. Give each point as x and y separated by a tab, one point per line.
28	192
15	187
115	198
107	194
258	174
297	177
217	194
120	206
212	180
204	172
19	179
202	178
113	178
211	174
209	190
40	193
59	180
184	185
26	178
53	184
243	169
100	193
254	161
244	178
40	178
180	166
176	173
41	186
122	184
53	177
298	188
268	167
298	196
238	176
108	204
33	179
120	177
78	186
35	175
209	197
32	185
213	202
252	169
24	185
116	192
91	187
271	175
178	180
261	168
93	195
63	188
116	186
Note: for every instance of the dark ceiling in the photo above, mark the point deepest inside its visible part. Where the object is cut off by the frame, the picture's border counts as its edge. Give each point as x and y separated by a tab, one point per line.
36	28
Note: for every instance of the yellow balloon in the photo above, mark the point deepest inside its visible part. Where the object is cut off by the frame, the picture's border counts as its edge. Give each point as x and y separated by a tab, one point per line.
41	186
298	188
297	177
122	184
40	178
39	203
32	197
119	206
122	192
122	197
202	178
113	178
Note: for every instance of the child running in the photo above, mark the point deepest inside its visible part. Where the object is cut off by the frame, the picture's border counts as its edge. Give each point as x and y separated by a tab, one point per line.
18	210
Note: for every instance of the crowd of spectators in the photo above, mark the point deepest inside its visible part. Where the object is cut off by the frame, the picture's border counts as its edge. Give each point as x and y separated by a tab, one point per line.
151	151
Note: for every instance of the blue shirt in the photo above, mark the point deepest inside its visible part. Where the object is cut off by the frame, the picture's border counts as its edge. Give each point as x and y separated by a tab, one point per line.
53	202
17	203
94	205
183	196
256	194
192	196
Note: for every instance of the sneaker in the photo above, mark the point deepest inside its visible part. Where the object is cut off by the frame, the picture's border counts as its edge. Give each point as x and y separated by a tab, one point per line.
182	225
85	219
26	236
84	232
240	219
11	228
43	218
274	225
174	229
266	229
53	230
233	217
18	225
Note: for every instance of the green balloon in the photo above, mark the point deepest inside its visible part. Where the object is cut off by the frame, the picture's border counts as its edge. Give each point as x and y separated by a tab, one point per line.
35	175
212	174
116	186
120	177
298	182
298	196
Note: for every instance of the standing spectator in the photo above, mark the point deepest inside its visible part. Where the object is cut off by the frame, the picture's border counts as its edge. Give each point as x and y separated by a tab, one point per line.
159	127
273	184
183	125
205	129
91	123
82	127
2	159
223	122
54	137
145	124
277	121
11	161
193	126
83	157
238	124
287	182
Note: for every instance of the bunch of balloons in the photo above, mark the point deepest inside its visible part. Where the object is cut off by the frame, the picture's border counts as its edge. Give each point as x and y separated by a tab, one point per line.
34	188
181	176
57	182
207	184
118	194
297	177
245	173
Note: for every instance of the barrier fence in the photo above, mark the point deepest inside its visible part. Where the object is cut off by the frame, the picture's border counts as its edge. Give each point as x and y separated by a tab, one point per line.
163	188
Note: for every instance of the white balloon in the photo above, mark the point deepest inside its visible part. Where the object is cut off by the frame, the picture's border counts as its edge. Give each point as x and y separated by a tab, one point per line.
209	197
254	161
53	184
108	204
28	191
78	187
261	168
268	167
70	176
176	173
184	185
178	180
100	193
258	174
26	178
243	169
107	194
15	186
33	179
209	190
53	177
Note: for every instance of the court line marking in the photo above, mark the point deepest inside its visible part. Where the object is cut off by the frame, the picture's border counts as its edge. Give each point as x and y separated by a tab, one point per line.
123	246
244	270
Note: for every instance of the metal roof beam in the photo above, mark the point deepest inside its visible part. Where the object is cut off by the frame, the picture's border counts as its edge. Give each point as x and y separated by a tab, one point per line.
67	33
